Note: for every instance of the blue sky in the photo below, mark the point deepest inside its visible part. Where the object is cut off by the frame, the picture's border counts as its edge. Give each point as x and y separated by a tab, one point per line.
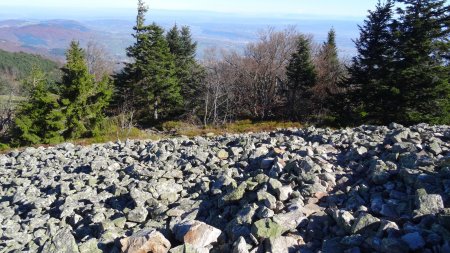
335	8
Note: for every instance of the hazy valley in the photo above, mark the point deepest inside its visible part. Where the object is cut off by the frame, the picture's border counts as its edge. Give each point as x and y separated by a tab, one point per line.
223	31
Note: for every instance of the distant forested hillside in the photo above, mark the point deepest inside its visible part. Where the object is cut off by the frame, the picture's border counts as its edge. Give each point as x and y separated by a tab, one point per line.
17	66
21	64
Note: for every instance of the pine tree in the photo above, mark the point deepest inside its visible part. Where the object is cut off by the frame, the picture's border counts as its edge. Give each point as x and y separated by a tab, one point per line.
421	58
83	99
371	93
39	119
301	77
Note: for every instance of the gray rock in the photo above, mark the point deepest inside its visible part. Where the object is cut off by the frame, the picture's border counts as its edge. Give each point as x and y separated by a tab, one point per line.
414	241
91	246
365	223
266	228
282	244
428	203
240	246
284	192
62	242
139	214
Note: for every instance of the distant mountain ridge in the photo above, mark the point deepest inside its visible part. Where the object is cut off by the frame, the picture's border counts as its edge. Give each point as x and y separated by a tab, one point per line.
51	37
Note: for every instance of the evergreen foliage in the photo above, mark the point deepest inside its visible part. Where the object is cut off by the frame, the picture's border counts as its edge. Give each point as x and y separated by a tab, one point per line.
15	67
423	47
302	76
82	98
21	64
371	95
150	80
39	119
330	71
189	73
401	71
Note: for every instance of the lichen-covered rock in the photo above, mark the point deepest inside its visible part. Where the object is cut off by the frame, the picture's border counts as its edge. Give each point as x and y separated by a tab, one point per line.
365	223
62	242
267	228
236	194
91	246
138	214
428	203
364	189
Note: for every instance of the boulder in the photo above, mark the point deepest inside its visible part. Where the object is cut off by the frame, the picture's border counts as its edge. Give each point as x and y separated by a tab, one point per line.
365	223
196	233
282	244
428	203
145	241
267	228
62	242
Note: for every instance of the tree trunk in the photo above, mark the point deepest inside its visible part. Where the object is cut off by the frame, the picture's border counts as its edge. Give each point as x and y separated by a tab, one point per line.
156	110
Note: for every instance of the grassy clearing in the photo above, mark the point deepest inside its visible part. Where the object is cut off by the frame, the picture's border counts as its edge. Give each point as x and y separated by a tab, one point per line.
112	131
243	126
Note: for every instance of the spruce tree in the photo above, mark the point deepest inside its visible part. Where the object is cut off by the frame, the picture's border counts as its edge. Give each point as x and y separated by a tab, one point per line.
189	73
39	119
421	58
371	92
159	82
301	77
150	80
125	93
83	99
330	72
174	41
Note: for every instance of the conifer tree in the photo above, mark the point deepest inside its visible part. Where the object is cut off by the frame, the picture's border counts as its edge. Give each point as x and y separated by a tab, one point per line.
174	41
421	58
83	99
189	73
371	93
330	72
150	80
329	67
159	82
301	77
125	93
39	119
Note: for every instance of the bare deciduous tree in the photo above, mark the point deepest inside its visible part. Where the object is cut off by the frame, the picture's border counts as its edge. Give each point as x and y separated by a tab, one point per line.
9	94
218	91
264	67
99	62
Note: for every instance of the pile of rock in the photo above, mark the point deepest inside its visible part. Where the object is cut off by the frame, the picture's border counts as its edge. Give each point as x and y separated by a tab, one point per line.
367	189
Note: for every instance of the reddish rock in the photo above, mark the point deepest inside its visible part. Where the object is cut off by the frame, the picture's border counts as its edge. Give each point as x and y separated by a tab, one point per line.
145	242
196	233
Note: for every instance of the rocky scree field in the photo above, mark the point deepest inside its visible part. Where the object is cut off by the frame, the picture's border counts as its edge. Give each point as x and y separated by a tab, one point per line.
367	189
